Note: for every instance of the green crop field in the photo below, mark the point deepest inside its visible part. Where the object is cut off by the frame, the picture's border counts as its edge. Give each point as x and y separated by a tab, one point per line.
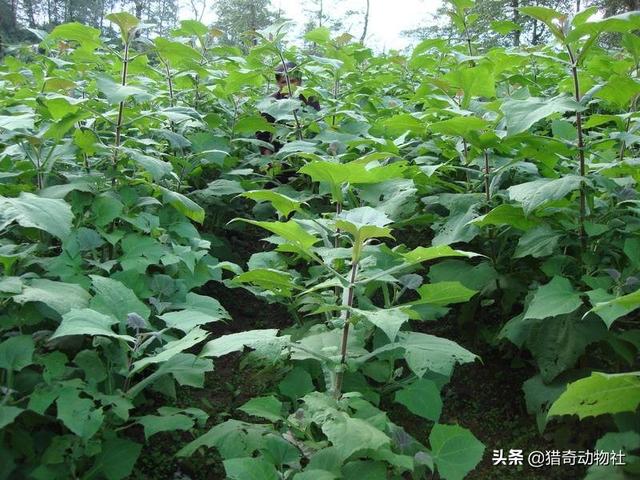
437	267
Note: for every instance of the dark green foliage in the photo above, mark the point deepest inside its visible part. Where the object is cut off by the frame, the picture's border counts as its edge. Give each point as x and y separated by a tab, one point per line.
128	170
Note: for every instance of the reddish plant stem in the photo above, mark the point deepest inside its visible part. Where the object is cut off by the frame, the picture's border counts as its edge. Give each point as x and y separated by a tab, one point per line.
345	331
119	122
582	169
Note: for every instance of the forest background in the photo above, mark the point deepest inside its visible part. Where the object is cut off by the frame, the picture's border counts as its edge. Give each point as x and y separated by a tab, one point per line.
21	20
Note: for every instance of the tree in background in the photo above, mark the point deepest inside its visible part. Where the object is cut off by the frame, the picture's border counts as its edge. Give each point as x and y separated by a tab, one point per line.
614	7
320	14
355	21
498	22
235	17
15	15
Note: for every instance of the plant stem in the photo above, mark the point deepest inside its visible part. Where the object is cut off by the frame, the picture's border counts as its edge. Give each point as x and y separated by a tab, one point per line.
169	81
345	329
286	76
123	82
623	144
336	241
583	193
336	87
487	190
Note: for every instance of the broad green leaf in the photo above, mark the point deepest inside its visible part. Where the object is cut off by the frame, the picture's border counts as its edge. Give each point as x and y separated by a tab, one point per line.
59	296
424	254
564	130
388	320
106	209
171	349
280	283
54	216
556	343
92	366
280	110
58	129
444	293
156	167
473	81
539	396
538	242
422	398
504	27
538	192
178	54
191	27
16	352
326	344
23	121
116	93
264	407
459	126
88	322
626	441
599	394
555	298
355	173
475	277
319	35
164	423
619	90
188	319
615	308
623	23
236	342
232	438
401	123
351	435
186	368
115	299
183	204
296	384
126	22
364	223
78	414
290	231
8	414
455	227
551	18
11	285
521	115
506	214
631	43
60	106
118	457
425	353
88	38
456	451
358	470
248	468
283	204
253	124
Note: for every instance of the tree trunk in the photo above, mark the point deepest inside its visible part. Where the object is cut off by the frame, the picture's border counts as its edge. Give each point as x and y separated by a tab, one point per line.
13	20
366	22
515	4
139	9
31	18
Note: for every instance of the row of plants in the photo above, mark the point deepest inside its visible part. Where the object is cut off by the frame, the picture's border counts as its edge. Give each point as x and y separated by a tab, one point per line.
517	167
